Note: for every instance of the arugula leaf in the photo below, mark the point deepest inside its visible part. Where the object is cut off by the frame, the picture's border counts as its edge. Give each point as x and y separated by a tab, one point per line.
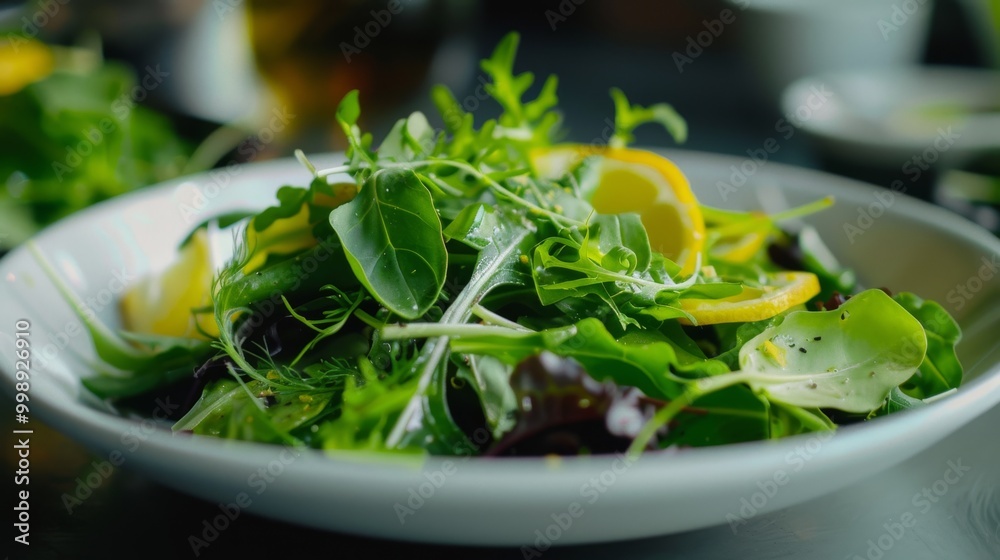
393	241
155	361
290	201
359	145
622	242
475	226
521	124
409	139
563	267
628	117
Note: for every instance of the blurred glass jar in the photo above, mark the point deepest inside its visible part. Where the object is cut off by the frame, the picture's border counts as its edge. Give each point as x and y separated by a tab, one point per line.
311	53
308	54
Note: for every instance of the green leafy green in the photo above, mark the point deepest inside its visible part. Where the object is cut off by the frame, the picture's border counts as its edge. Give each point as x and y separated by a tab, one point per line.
75	138
393	241
628	117
648	366
490	378
848	358
236	410
940	371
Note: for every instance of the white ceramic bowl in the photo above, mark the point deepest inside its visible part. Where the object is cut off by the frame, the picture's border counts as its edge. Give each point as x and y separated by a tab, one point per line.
527	501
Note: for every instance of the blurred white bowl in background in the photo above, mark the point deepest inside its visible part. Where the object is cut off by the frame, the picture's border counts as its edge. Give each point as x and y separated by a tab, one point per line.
904	118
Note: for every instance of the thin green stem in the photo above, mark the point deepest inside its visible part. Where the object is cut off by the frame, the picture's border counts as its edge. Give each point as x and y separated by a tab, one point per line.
804	210
497	319
430	330
694	391
660	419
333	170
808	419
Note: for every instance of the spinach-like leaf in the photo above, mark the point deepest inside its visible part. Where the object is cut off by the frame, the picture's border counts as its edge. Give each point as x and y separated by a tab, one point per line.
393	241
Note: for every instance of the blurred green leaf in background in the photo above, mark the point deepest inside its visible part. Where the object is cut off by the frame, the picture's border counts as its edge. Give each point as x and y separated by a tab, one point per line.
74	132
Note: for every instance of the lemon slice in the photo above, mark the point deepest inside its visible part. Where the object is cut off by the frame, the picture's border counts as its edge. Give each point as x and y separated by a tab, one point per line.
786	289
638	181
739	249
23	61
162	303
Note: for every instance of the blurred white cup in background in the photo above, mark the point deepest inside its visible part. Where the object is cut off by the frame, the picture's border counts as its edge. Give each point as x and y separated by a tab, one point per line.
788	39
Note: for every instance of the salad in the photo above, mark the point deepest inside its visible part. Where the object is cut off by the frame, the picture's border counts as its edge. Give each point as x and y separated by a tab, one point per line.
492	290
